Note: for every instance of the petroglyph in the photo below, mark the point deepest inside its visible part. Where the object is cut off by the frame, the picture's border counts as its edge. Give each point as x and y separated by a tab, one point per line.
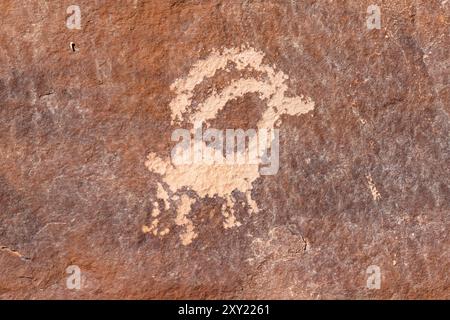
373	189
210	180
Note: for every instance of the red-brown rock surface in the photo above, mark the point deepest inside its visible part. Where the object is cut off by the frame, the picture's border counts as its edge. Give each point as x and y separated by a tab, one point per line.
363	179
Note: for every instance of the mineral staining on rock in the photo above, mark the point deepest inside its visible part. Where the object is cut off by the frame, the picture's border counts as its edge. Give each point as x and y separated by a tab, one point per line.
209	180
76	127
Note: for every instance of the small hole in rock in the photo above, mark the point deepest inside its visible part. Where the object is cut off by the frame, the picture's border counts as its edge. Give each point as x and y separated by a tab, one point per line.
72	46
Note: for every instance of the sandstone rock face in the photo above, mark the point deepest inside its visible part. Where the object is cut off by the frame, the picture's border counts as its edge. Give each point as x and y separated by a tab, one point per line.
91	93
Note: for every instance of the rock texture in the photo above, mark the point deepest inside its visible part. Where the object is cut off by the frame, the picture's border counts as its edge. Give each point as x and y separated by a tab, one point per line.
86	113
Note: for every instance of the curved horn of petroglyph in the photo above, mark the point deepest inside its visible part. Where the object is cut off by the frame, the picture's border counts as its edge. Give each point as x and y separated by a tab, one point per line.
272	88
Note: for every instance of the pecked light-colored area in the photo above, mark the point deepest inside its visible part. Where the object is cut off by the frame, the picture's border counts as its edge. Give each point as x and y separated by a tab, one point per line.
218	179
272	88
